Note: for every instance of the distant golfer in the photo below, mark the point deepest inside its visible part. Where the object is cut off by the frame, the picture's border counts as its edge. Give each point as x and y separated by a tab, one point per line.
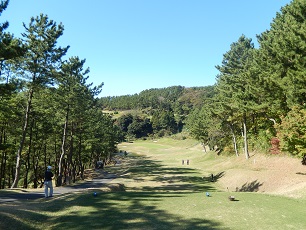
48	182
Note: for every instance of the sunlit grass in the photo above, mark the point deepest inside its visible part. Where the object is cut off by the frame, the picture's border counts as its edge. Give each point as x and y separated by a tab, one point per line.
157	210
160	193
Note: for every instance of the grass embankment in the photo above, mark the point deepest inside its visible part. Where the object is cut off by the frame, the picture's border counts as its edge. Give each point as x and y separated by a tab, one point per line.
161	193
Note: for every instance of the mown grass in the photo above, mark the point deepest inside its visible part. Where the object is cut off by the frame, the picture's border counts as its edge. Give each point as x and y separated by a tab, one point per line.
156	210
160	193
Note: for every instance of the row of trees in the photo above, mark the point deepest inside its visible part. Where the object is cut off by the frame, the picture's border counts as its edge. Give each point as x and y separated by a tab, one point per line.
177	98
161	123
260	93
156	112
48	111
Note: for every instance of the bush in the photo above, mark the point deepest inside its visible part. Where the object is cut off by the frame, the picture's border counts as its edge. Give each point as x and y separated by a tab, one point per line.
292	132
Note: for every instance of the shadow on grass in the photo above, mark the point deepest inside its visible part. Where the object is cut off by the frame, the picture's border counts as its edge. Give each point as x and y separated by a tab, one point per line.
118	210
214	177
218	176
174	179
18	216
139	208
250	187
127	210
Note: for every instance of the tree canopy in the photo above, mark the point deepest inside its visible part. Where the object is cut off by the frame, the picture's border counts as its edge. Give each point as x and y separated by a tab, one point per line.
48	110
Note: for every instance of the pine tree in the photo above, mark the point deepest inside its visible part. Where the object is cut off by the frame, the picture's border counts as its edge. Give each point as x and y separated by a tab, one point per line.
283	49
232	84
38	66
75	98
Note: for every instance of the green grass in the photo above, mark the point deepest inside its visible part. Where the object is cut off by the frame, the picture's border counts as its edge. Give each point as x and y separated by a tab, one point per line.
156	210
161	193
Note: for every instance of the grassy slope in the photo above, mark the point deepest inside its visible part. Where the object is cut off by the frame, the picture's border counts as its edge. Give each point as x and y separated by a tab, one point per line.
270	174
161	193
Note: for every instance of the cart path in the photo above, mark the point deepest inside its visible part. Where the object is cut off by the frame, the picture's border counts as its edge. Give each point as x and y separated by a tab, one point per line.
98	182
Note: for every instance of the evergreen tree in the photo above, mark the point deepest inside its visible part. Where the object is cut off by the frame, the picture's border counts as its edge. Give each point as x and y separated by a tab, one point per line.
233	82
38	66
75	98
283	50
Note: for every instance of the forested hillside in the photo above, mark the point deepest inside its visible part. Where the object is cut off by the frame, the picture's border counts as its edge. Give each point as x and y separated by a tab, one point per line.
176	98
156	112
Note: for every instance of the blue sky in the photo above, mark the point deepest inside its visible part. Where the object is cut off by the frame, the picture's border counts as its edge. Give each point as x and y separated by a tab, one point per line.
133	45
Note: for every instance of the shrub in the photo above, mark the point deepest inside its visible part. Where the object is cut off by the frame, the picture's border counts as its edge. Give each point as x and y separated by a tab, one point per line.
292	132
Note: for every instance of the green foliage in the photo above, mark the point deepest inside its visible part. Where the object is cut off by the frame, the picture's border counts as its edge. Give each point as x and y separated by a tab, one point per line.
258	86
282	49
124	121
33	109
164	120
178	98
3	6
292	132
140	127
198	125
261	141
134	125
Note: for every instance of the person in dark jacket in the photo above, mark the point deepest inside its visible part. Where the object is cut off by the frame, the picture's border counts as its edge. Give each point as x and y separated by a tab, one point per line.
48	182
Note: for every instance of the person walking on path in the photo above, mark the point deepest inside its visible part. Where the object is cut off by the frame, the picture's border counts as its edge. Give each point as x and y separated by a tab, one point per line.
48	182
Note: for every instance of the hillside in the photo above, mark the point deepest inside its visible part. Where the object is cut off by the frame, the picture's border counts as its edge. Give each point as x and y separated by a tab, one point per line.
174	97
279	175
264	173
271	174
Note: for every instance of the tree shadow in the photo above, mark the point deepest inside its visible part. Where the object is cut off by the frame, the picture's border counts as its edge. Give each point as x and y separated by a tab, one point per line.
249	187
133	209
214	177
218	176
300	173
109	214
113	210
174	179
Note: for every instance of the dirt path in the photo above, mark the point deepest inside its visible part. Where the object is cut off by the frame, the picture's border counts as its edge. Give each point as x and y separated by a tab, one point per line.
99	180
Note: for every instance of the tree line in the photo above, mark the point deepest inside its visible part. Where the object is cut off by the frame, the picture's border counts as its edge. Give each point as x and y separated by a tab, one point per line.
258	101
156	112
49	113
260	92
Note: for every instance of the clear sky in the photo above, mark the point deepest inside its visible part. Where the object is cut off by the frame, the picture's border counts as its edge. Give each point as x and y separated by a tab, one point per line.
133	45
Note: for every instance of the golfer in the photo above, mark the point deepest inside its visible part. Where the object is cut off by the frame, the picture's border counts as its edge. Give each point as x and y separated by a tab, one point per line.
48	182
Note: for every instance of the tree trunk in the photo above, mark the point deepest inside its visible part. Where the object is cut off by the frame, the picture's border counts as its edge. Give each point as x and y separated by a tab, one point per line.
245	138
3	170
234	140
60	164
3	160
80	163
22	141
304	160
27	160
203	144
35	176
70	164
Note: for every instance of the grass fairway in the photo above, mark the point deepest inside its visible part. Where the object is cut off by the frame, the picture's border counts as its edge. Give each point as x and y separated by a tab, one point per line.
160	193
